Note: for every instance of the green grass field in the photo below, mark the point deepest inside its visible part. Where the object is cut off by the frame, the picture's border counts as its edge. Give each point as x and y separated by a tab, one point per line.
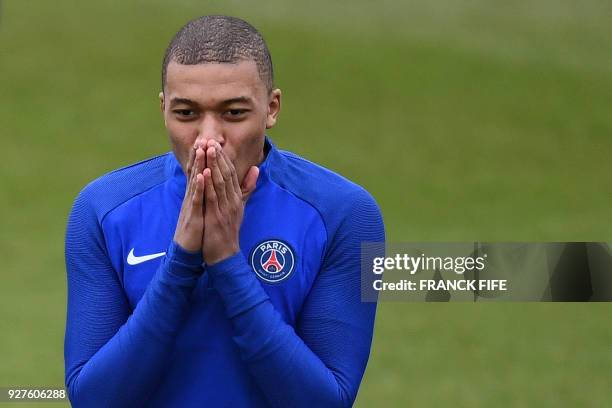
470	120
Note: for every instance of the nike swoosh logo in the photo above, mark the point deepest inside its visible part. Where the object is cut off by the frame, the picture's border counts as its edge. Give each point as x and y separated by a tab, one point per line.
135	260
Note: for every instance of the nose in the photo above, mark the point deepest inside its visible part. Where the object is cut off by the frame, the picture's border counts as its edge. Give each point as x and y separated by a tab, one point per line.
210	129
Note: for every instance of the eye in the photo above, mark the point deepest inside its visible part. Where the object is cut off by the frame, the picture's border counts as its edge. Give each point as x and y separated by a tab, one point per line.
235	113
184	113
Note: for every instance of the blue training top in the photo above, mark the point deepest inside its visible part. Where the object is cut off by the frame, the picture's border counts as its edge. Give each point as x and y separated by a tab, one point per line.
279	324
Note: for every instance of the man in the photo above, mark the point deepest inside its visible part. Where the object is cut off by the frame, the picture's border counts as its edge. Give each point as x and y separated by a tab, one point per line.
225	273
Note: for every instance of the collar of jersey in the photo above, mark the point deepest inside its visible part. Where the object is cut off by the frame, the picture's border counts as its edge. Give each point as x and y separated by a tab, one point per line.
178	180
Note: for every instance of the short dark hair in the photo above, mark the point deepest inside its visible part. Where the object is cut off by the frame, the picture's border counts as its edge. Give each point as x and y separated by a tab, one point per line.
219	39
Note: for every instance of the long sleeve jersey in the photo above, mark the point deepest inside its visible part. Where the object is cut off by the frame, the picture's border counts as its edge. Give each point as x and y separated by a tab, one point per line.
280	324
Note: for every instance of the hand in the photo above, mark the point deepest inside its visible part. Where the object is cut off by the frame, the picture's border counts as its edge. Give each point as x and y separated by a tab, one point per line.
225	200
190	225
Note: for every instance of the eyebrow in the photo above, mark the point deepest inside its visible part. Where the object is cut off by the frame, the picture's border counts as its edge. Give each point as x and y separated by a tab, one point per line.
243	99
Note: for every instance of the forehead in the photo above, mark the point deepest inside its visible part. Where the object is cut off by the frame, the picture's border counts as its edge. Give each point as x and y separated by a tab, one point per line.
213	81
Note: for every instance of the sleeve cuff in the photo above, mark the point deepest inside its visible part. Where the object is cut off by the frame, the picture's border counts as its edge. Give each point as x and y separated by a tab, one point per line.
237	285
182	262
227	265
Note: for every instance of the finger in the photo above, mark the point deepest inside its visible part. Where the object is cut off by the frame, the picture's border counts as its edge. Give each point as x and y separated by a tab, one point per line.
236	184
250	182
195	169
210	194
225	165
217	178
232	186
189	174
198	193
190	161
199	161
202	145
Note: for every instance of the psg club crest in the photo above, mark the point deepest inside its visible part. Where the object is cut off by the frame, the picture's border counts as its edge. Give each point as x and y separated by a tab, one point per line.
272	261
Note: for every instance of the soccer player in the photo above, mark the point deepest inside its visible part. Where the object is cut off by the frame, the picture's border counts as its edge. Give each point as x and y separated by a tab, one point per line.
227	272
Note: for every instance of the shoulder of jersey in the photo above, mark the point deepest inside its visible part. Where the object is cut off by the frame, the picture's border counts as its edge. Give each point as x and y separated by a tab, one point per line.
113	188
299	174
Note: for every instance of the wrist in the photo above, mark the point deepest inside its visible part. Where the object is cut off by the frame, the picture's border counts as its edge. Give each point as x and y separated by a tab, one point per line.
184	244
217	258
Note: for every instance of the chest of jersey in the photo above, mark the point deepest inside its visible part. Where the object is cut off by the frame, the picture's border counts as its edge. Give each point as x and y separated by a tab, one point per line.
282	239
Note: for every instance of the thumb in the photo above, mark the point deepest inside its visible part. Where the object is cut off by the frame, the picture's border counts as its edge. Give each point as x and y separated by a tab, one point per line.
249	182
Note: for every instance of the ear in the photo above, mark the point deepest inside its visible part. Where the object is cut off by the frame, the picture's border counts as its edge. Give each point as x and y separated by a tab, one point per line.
249	182
274	107
162	106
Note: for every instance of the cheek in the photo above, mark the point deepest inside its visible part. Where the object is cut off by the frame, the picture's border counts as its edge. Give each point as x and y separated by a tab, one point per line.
181	138
244	142
242	139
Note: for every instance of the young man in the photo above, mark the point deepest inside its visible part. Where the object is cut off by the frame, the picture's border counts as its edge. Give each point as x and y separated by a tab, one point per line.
225	273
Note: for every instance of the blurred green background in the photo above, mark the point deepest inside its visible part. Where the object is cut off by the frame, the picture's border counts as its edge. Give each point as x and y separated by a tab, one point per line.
467	120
